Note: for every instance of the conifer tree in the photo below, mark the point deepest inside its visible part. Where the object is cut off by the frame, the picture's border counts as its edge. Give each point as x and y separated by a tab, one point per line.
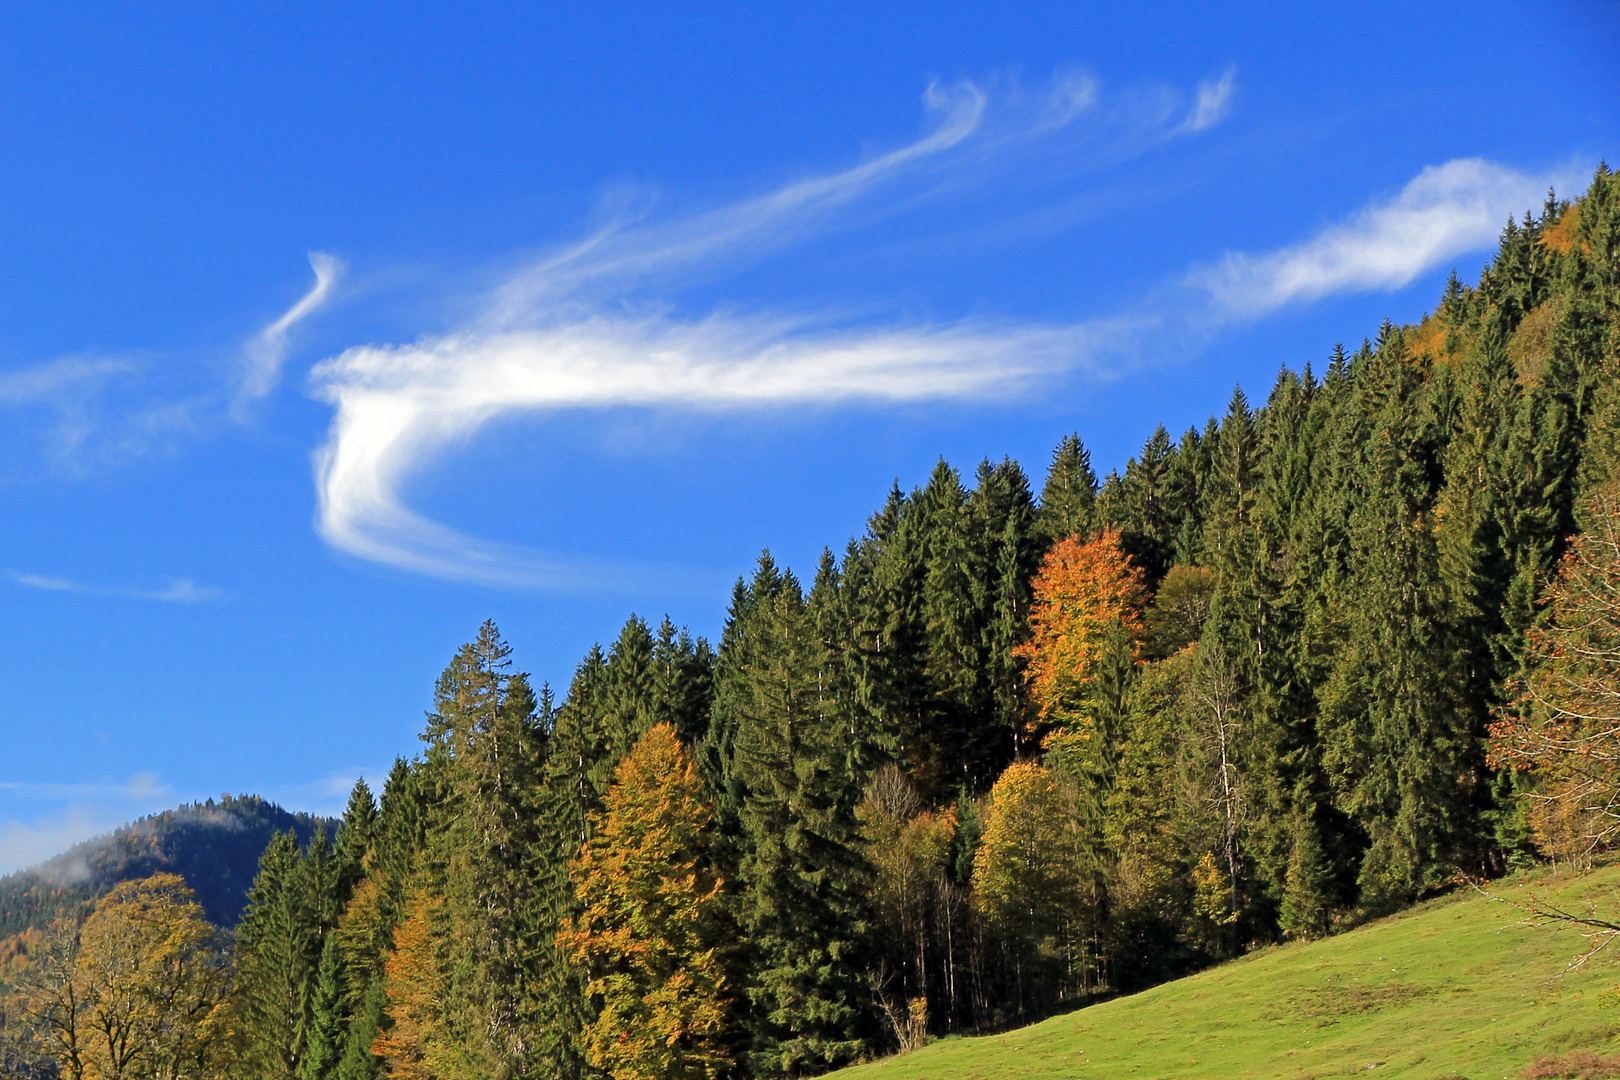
277	951
804	904
329	1022
487	746
1398	745
355	838
1307	903
1068	501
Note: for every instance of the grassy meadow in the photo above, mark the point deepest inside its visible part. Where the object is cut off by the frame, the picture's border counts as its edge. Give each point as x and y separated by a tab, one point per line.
1458	987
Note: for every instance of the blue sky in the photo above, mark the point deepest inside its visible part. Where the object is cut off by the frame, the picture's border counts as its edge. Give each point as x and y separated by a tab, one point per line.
328	331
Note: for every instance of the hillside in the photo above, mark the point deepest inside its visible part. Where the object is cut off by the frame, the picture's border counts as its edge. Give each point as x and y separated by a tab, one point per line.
215	846
1458	987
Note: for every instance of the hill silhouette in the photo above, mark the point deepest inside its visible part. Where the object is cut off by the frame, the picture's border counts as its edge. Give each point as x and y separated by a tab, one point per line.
215	846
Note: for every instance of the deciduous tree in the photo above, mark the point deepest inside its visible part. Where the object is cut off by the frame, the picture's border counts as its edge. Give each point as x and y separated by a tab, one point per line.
650	930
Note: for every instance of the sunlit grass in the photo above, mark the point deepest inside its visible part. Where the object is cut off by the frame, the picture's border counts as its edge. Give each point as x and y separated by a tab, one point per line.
1458	987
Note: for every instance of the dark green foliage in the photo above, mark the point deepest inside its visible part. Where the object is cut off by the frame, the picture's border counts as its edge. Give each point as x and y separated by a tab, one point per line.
328	1022
486	747
357	1061
278	948
1069	499
794	770
1308	895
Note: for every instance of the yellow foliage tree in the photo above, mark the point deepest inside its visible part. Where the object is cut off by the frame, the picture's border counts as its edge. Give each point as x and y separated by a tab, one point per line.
1025	875
1086	593
138	991
1029	878
411	1044
649	931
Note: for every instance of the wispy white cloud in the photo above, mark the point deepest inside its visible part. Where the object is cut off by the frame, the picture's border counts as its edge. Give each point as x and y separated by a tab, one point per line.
176	591
1212	103
623	254
596	326
266	352
82	811
591	327
1445	211
50	381
79	428
143	786
91	413
399	407
24	844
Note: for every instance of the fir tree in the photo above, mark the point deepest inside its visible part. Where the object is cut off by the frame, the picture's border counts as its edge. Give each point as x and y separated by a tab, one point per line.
1069	499
488	748
1307	902
804	906
277	951
328	1027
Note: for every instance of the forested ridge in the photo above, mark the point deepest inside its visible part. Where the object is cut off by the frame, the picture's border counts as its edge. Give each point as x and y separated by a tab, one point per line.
214	845
1003	756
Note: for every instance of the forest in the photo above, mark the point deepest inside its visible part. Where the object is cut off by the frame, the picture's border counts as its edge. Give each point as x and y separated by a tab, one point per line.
1006	755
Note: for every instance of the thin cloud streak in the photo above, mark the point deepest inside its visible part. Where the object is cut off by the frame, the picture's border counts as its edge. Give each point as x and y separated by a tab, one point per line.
617	254
177	591
101	413
1212	104
397	408
1445	211
267	351
568	333
572	331
141	786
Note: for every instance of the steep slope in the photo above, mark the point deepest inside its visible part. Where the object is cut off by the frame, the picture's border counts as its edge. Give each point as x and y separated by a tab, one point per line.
1458	987
215	846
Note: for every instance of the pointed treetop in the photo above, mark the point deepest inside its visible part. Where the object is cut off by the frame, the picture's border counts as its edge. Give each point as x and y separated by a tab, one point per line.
1068	501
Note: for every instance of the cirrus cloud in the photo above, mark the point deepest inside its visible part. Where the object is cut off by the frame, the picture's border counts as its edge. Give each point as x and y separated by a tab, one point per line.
595	325
591	327
1445	211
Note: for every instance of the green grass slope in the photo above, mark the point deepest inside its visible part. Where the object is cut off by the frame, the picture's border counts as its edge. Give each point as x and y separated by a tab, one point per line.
1459	987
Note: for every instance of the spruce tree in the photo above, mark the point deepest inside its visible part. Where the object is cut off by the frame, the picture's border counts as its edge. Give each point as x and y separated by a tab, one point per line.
1398	742
804	904
277	950
1307	903
1069	499
329	1022
487	746
355	837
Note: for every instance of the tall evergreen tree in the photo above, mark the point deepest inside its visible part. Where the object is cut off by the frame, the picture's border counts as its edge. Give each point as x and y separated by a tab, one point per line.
487	745
1069	499
277	951
804	905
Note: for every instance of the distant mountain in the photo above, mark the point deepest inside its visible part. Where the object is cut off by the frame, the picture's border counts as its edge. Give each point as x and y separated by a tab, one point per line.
215	846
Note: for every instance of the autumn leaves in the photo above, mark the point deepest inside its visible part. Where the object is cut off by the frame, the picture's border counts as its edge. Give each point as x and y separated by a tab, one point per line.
138	990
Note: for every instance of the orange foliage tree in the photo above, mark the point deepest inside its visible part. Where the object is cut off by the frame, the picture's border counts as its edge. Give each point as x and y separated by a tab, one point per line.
1087	595
411	1041
650	926
1564	727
